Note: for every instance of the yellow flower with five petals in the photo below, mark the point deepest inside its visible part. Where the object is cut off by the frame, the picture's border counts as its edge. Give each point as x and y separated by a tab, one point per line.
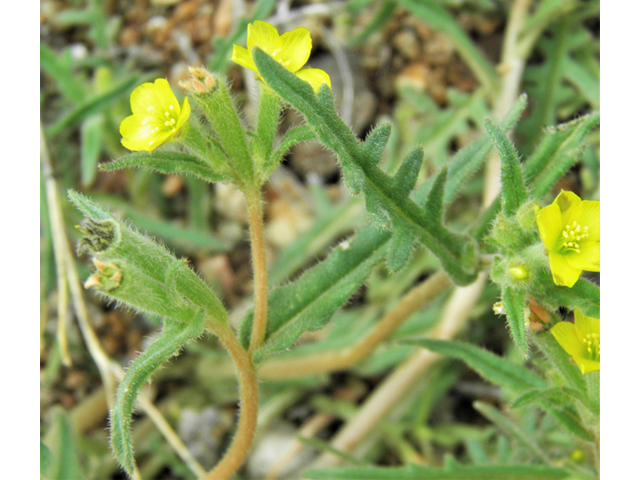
157	116
570	229
581	340
291	50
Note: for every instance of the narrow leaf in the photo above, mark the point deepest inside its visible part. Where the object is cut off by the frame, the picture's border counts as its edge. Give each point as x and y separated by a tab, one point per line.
454	472
407	174
557	396
292	137
166	162
514	192
570	420
65	462
514	304
310	302
90	145
172	338
400	247
434	205
490	366
511	429
377	141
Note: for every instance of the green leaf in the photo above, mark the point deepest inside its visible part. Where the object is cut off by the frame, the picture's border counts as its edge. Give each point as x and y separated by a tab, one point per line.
434	205
457	472
570	420
310	302
584	295
293	136
46	459
90	146
511	429
172	338
468	160
514	304
490	366
376	142
65	462
456	252
514	192
166	162
561	360
557	396
438	18
93	105
60	67
268	119
407	175
559	150
400	247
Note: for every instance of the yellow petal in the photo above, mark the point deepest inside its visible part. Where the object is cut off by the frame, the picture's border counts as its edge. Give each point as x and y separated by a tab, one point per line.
262	35
243	58
157	97
567	202
586	325
565	334
550	225
587	214
138	135
294	49
588	258
315	77
587	366
185	111
563	273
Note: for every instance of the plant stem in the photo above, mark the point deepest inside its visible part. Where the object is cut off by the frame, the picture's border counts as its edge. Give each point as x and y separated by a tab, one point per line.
340	359
248	383
254	205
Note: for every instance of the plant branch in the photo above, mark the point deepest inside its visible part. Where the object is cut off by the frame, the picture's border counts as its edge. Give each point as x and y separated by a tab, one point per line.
254	206
248	383
109	369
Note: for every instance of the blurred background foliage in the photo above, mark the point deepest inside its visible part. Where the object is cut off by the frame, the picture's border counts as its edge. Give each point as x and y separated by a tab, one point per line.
429	67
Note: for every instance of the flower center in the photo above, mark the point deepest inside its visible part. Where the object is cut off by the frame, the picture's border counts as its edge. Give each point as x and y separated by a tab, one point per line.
592	344
572	235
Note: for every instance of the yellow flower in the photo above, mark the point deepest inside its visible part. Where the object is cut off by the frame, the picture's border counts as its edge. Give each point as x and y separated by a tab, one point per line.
580	340
157	116
570	229
291	50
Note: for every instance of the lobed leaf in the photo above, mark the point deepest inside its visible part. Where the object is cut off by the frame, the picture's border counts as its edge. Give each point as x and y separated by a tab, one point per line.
514	304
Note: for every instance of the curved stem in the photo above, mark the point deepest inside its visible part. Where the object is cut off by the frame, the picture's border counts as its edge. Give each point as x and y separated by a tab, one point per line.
254	205
248	383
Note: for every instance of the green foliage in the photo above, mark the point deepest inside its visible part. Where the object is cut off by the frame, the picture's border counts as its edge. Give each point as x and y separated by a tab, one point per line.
170	340
62	458
309	303
386	203
514	304
454	472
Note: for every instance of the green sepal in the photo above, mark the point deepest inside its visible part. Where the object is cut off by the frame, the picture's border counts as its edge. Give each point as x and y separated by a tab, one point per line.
376	142
407	175
219	108
267	121
167	162
172	338
400	248
452	471
515	301
310	302
584	295
514	191
490	366
135	270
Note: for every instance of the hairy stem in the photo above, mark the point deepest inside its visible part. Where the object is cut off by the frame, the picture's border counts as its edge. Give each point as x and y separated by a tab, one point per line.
254	205
248	383
340	359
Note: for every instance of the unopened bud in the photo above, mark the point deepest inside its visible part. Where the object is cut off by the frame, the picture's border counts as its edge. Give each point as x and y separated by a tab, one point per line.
498	308
108	277
519	273
201	83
